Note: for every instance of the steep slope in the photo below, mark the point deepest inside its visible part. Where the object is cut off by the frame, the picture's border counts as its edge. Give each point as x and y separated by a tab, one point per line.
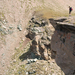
63	43
14	13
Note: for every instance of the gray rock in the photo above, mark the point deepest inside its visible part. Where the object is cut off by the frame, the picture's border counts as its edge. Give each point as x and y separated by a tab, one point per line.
38	29
19	27
31	60
35	31
3	30
31	72
44	22
41	39
4	27
34	60
1	24
4	22
64	23
11	27
26	73
3	54
36	25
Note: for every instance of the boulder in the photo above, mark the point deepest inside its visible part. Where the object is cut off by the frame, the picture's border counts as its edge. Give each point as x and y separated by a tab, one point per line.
63	47
35	31
41	38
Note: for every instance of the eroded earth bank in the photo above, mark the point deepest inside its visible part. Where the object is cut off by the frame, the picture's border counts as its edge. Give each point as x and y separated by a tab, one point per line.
50	49
33	41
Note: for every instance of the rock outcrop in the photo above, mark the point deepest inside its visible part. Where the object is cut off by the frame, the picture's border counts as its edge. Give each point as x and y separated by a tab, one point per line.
54	41
40	32
63	43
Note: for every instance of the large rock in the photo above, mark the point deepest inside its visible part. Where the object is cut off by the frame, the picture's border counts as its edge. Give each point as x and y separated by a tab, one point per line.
35	31
41	38
63	44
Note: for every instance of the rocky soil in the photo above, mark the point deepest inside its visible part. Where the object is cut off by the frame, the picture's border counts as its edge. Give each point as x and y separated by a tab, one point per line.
36	58
45	55
38	54
32	54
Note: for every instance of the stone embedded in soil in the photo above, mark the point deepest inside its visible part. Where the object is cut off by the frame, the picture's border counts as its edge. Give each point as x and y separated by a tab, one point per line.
31	60
19	27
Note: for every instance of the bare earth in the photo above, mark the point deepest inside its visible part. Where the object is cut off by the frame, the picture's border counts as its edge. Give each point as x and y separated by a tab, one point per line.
19	12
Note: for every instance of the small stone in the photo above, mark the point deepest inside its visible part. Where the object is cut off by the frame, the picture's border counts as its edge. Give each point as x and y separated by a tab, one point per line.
4	27
4	21
10	31
16	48
31	72
26	73
19	72
11	27
34	71
35	59
29	61
14	60
53	74
0	24
19	27
23	39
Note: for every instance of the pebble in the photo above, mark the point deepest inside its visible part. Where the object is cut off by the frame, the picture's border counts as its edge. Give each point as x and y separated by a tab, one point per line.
4	27
11	27
14	60
19	27
35	59
31	60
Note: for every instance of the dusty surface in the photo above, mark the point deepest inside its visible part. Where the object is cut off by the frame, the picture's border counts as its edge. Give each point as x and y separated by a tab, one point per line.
15	12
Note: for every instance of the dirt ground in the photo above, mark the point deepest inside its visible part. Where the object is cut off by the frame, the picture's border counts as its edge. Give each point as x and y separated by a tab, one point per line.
19	12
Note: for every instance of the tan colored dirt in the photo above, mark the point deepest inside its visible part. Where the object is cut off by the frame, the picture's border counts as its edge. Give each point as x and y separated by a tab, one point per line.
19	12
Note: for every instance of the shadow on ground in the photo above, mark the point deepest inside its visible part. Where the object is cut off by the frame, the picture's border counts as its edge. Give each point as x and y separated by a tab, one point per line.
29	55
26	55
